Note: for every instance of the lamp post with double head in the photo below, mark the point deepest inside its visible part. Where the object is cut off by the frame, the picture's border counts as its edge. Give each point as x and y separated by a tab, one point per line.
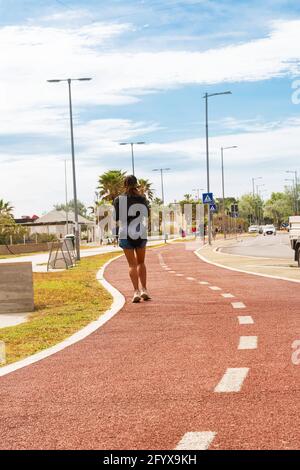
69	81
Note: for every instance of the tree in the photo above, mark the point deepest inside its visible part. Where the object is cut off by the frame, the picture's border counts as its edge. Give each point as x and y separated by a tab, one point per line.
157	201
250	207
111	184
279	207
82	209
145	187
9	228
5	208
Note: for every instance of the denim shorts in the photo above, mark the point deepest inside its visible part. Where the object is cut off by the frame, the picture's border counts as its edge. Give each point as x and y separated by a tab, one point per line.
129	245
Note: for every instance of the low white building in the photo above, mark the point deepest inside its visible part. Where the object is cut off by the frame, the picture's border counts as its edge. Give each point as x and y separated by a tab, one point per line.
59	223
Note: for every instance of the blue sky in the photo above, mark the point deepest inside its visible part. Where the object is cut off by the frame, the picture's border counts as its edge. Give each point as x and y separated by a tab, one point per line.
151	62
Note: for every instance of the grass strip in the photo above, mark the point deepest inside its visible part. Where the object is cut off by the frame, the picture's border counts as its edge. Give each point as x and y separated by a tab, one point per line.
65	302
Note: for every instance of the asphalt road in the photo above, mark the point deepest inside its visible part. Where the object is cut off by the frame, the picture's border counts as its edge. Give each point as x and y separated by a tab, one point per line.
268	246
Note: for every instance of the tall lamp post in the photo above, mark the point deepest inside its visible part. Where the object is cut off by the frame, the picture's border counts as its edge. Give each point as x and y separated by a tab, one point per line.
69	81
66	196
132	153
258	194
206	96
197	191
296	189
253	191
223	185
161	170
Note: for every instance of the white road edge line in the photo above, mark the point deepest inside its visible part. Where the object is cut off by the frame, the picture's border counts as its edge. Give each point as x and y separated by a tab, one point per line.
248	342
246	320
118	302
196	441
238	305
219	265
232	380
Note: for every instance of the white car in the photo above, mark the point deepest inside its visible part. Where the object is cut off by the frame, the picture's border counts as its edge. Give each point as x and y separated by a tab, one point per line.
253	229
269	230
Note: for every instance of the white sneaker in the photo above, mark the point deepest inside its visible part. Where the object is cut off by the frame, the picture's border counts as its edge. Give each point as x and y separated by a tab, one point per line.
136	297
145	295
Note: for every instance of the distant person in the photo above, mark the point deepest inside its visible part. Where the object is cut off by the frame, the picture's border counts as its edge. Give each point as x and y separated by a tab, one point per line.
131	215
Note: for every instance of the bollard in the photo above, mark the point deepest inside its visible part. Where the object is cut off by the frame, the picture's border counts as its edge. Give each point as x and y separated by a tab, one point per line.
2	353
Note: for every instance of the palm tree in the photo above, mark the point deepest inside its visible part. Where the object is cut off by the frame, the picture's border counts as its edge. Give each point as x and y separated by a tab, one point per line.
145	188
5	208
111	184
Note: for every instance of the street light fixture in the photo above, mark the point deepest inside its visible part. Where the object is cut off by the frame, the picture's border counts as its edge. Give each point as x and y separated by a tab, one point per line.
206	96
132	154
69	81
161	170
223	184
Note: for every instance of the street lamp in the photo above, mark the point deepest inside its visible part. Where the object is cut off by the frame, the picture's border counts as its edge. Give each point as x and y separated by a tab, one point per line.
223	184
132	154
161	170
69	81
295	188
253	190
197	191
294	191
258	193
206	96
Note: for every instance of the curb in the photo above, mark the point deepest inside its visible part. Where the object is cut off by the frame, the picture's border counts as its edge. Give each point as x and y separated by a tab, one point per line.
118	303
242	270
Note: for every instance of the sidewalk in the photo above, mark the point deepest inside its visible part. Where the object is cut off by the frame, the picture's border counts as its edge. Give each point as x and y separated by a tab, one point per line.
206	363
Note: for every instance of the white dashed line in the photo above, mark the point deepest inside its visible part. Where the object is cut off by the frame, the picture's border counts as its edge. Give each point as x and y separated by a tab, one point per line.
204	283
238	305
190	278
196	441
172	272
179	275
248	342
232	380
227	296
215	288
246	320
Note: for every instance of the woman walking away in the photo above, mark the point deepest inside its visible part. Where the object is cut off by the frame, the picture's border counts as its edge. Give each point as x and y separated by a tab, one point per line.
131	215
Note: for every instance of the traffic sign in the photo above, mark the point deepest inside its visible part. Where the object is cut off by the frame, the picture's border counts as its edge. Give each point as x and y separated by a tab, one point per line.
207	198
213	208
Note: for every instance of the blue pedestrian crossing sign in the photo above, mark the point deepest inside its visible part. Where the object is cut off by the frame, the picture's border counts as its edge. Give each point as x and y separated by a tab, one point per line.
213	208
207	198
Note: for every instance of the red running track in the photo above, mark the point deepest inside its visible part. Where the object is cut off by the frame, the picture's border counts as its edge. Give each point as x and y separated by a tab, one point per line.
148	376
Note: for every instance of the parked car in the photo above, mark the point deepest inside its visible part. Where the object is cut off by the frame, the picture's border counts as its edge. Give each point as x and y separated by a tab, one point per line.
253	229
269	230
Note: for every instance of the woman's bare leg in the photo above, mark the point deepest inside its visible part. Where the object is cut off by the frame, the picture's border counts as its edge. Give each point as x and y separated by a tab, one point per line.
132	263
141	267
